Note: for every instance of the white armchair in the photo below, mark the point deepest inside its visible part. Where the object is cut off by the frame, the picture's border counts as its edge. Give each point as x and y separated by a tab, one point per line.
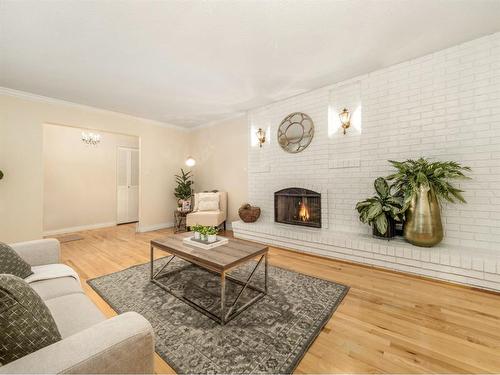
207	214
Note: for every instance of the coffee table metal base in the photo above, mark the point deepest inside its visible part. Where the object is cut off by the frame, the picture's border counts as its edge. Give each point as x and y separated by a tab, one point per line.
227	313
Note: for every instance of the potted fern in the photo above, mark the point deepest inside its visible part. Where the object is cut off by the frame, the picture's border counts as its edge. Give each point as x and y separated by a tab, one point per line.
423	184
382	210
183	191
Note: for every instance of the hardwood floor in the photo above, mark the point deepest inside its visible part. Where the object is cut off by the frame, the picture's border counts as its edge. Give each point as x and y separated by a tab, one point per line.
388	322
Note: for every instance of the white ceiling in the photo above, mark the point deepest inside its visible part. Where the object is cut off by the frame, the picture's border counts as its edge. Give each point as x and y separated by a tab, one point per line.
192	62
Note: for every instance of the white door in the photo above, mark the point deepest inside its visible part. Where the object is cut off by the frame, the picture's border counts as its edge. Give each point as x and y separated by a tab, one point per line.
127	185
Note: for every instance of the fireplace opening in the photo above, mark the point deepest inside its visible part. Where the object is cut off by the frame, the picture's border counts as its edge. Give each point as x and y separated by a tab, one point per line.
298	206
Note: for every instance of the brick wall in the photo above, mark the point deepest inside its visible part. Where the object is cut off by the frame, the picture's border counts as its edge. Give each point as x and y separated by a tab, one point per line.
444	106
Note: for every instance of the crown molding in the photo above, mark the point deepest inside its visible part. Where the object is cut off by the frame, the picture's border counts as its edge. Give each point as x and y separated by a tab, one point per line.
218	122
46	99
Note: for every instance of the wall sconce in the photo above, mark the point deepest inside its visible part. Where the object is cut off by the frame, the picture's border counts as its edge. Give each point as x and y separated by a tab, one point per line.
190	162
261	136
345	119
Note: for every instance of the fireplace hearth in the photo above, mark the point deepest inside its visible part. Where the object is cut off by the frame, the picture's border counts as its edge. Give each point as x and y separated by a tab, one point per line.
297	206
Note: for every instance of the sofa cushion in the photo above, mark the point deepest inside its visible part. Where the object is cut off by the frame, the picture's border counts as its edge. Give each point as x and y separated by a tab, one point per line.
74	313
52	288
11	263
26	323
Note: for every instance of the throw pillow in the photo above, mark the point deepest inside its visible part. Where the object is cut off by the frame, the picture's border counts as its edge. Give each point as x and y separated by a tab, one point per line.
206	197
208	206
12	263
25	321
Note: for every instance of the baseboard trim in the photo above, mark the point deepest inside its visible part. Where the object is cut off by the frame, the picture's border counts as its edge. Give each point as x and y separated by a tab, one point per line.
149	228
78	228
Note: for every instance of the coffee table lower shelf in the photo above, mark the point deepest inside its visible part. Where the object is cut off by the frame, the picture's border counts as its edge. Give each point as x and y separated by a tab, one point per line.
227	313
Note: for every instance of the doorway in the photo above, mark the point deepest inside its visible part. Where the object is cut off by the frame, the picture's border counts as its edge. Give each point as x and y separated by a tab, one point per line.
127	185
81	172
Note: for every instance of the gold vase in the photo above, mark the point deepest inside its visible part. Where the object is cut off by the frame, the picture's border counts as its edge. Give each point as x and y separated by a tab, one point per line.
423	225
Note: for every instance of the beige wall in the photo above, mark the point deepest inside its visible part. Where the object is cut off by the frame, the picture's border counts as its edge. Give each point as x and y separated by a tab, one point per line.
221	153
163	150
79	180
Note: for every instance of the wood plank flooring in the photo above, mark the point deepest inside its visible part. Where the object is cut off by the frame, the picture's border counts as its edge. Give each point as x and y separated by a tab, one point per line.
388	322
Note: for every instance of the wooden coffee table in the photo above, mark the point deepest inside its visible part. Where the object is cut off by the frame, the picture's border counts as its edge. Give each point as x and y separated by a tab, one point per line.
219	260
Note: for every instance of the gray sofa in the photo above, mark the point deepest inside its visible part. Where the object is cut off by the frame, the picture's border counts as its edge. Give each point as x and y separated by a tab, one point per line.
90	343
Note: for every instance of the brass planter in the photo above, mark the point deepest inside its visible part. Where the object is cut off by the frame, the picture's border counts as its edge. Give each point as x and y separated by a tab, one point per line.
423	225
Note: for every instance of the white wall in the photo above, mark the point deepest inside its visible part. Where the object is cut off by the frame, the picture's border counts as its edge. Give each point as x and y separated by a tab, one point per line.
163	150
79	184
220	151
444	106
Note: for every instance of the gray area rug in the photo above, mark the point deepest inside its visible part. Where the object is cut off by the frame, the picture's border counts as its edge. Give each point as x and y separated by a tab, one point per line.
269	337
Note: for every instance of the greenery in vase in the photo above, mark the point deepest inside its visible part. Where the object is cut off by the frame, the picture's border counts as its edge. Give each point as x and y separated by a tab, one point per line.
378	209
1	175
184	188
205	230
210	231
412	174
196	228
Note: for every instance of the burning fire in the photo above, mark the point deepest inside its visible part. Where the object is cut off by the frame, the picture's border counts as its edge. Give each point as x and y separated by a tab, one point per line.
303	212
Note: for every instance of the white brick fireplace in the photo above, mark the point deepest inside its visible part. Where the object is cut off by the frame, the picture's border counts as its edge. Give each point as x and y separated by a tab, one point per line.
444	106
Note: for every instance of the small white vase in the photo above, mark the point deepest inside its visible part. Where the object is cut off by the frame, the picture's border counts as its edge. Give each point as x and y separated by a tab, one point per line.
212	238
197	235
203	237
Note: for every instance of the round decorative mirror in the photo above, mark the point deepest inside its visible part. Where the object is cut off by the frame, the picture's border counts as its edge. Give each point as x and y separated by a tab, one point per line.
295	132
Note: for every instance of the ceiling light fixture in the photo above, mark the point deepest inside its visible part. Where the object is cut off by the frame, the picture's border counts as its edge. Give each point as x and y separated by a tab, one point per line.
91	138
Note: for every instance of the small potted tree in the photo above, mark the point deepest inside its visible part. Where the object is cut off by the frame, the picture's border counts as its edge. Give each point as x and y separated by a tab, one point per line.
382	210
184	190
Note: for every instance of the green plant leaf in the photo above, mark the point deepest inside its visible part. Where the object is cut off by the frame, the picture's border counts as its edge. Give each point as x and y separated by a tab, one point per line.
374	211
381	223
381	187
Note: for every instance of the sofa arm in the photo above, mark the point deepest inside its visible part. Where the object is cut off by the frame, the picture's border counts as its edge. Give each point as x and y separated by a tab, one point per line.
39	252
123	344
